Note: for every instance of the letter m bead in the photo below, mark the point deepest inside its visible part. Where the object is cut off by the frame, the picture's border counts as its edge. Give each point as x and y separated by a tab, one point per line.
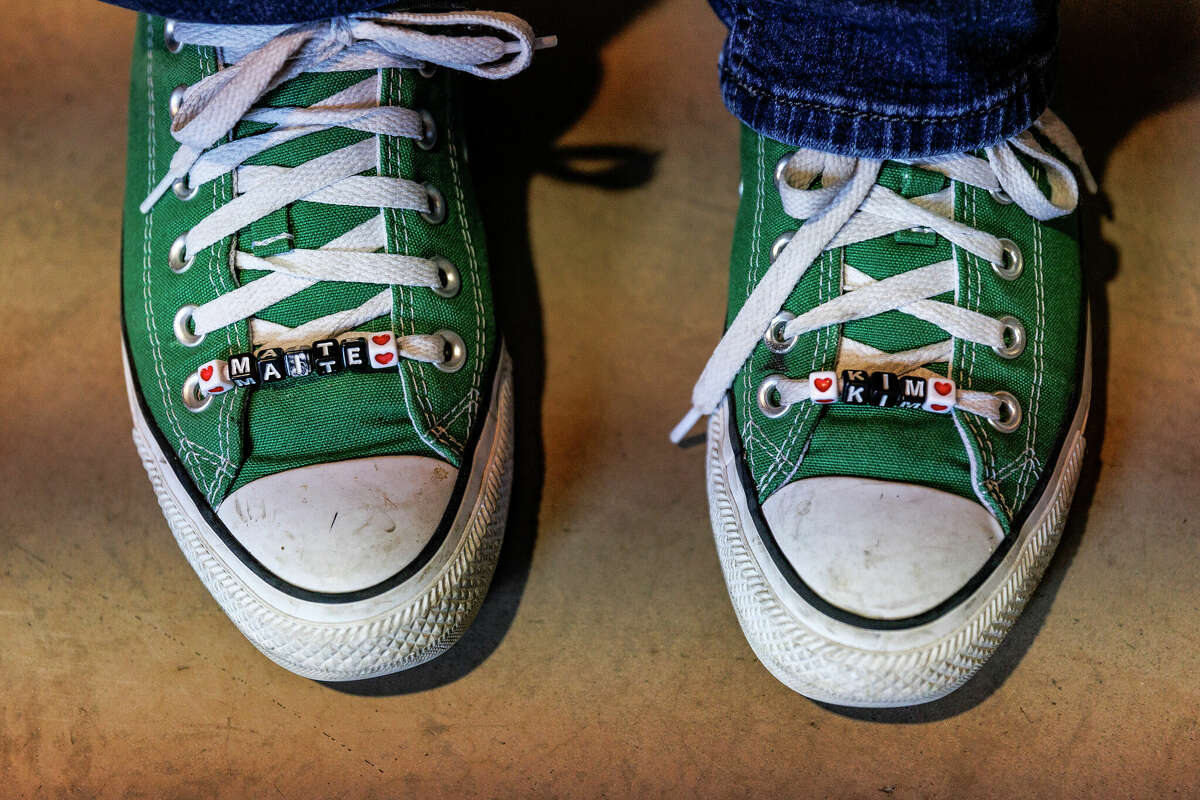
243	369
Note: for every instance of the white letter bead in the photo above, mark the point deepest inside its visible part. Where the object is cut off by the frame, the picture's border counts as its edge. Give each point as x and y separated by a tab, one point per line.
940	395
823	387
382	351
214	377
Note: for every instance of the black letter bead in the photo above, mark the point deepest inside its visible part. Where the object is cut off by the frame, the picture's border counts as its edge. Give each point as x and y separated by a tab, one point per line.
912	392
881	389
354	355
270	365
299	362
243	369
327	357
854	387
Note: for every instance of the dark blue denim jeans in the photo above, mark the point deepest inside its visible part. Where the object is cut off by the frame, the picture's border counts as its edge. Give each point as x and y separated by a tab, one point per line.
861	77
888	77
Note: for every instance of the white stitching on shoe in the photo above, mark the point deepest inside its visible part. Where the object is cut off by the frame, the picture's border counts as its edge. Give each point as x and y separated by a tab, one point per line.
1038	353
751	276
801	420
479	355
420	388
974	293
186	453
221	282
411	374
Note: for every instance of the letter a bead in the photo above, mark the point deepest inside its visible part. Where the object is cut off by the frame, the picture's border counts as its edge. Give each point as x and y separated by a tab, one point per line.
823	387
270	365
214	377
381	347
939	395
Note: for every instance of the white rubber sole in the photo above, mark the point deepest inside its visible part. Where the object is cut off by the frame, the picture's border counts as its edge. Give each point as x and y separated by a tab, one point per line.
400	628
840	663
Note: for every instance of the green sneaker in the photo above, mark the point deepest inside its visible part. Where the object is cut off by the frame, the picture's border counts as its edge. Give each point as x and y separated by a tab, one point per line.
319	393
897	408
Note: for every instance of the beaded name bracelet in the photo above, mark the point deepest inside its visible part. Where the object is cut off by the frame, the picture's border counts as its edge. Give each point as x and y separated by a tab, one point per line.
354	352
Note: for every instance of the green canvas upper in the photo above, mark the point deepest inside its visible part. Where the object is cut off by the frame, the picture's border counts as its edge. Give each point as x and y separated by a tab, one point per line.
248	434
961	453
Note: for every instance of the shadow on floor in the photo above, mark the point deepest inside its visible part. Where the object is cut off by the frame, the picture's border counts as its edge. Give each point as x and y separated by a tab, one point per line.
1157	67
514	126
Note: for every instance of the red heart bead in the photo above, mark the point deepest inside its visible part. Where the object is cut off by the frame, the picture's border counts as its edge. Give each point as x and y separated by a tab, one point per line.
206	372
381	338
942	388
216	390
937	407
823	384
383	358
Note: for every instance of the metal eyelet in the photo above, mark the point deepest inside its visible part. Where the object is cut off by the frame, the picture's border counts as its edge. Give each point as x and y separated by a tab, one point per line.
781	167
1014	337
426	70
780	243
436	214
176	101
455	353
183	190
183	327
429	134
172	44
193	400
1013	262
177	258
768	394
1000	196
448	275
774	335
1010	410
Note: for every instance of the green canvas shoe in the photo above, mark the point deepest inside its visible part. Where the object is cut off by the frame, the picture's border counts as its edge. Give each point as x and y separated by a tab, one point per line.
319	393
897	408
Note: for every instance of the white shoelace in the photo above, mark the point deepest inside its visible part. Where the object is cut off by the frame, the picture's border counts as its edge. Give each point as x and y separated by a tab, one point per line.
849	208
260	58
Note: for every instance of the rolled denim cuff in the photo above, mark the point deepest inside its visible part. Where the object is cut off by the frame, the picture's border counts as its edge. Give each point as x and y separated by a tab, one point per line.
266	12
888	78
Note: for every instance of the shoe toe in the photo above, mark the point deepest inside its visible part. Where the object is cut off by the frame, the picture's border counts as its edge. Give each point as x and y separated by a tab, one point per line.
343	526
878	549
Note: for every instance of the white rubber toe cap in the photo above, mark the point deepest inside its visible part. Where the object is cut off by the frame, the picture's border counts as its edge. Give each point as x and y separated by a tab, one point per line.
344	526
878	549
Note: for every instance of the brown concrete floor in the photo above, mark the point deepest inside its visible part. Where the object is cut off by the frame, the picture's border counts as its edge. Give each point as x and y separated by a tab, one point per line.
607	661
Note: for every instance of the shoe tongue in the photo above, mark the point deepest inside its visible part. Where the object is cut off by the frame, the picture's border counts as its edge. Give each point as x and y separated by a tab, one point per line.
303	421
903	445
305	225
899	252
